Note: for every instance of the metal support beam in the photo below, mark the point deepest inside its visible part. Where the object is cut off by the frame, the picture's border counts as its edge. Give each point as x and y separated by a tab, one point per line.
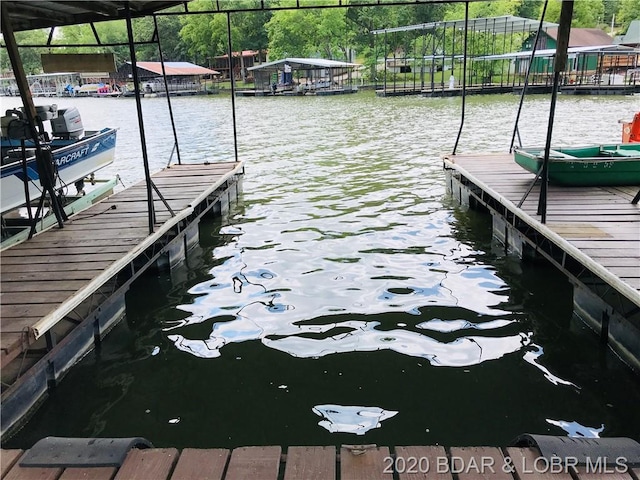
559	65
166	89
233	89
43	162
464	75
143	142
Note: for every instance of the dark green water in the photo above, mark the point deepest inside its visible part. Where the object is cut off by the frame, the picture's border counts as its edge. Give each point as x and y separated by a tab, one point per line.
345	277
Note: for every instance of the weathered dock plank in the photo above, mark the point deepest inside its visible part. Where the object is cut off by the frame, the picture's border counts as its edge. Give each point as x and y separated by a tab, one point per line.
254	462
43	274
94	473
590	233
479	463
428	462
156	463
7	459
370	465
530	466
319	463
203	464
310	463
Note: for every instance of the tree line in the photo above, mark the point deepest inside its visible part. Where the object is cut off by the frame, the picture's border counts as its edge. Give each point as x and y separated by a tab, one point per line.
328	32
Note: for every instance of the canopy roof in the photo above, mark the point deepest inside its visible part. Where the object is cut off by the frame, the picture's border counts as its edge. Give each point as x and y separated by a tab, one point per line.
33	14
505	24
550	52
175	68
302	64
583	37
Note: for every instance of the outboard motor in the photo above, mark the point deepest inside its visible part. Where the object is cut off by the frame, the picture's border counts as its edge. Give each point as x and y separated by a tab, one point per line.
67	124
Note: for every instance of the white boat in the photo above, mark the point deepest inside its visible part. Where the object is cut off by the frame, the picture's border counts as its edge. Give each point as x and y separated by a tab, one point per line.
75	156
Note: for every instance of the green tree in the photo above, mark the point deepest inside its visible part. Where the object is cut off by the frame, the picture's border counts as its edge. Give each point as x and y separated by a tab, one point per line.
586	14
290	33
332	36
495	8
628	11
173	49
30	57
529	9
204	33
108	32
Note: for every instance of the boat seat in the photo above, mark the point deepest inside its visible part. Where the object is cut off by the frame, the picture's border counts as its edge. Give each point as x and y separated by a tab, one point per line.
556	154
626	153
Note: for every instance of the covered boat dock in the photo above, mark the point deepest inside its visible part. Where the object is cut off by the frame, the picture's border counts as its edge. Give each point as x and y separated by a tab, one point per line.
303	76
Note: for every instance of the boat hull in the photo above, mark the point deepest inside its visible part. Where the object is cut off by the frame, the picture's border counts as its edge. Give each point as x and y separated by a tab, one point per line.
599	165
74	162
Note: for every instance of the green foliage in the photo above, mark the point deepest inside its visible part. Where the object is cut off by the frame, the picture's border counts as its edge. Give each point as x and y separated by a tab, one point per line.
108	32
308	33
628	11
328	33
169	33
205	35
494	8
586	14
30	57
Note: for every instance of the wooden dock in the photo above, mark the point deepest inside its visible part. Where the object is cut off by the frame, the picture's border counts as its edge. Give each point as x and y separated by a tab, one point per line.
63	289
327	463
592	234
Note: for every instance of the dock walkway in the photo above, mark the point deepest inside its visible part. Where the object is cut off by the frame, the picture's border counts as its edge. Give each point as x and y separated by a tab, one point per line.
46	276
62	290
328	463
592	234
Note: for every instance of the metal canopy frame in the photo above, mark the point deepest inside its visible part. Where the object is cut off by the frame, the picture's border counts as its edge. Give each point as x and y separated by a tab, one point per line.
34	14
495	25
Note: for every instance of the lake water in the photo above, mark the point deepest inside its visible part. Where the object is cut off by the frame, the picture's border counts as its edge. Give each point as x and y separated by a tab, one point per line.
345	298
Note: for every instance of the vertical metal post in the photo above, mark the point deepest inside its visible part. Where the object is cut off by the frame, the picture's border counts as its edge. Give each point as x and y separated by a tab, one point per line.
384	82
453	50
44	162
143	142
560	62
464	74
433	58
526	78
166	89
423	51
233	88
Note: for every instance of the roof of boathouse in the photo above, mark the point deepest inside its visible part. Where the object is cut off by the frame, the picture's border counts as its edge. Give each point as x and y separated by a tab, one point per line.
506	24
302	64
550	52
175	68
583	37
632	37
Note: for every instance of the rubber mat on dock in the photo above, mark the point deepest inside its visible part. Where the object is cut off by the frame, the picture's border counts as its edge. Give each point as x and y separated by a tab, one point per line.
582	449
81	452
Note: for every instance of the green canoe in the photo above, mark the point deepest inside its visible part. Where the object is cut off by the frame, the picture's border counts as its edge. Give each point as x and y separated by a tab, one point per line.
586	166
